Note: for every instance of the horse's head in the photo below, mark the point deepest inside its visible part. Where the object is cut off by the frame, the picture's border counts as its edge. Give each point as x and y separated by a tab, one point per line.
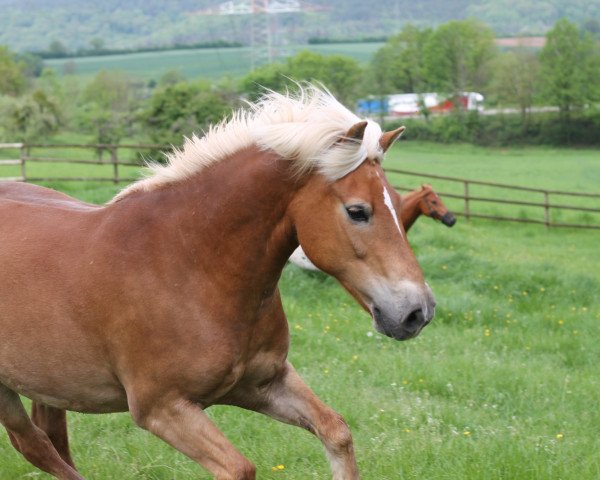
348	227
432	206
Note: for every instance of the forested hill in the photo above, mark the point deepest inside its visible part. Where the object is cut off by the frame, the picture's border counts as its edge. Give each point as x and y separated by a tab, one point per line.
118	24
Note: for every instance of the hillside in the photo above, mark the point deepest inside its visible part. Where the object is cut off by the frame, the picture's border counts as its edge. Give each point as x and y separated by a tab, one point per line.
76	24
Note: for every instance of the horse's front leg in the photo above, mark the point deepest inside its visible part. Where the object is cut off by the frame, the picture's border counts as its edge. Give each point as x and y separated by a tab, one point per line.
290	400
186	427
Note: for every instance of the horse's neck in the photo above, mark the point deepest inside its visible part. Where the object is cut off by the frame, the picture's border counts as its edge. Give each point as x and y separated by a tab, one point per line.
229	220
410	210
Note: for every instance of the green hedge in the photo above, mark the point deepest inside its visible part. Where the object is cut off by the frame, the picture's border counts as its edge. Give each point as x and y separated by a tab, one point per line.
579	129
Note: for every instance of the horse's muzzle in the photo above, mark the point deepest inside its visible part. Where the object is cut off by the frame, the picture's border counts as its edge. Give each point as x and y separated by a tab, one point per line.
448	219
408	328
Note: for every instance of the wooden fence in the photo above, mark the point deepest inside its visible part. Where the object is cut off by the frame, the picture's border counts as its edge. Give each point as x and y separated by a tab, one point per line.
546	204
113	160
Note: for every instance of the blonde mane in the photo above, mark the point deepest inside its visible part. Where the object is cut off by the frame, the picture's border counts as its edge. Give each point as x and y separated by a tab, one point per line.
304	128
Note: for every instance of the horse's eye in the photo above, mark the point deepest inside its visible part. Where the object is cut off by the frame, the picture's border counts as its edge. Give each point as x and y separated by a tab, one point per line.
358	213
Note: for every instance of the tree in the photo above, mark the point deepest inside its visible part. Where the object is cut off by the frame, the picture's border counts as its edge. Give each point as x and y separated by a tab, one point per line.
12	79
515	79
458	55
107	108
570	67
30	118
398	66
96	44
271	77
31	64
340	74
182	109
57	49
171	77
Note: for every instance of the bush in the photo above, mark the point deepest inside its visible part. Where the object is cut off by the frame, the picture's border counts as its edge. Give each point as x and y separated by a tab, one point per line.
581	129
180	110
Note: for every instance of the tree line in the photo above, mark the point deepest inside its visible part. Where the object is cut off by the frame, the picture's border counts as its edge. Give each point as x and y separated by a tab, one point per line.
457	56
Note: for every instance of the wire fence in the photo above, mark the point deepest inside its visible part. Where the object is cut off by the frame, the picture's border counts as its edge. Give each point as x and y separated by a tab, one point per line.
121	164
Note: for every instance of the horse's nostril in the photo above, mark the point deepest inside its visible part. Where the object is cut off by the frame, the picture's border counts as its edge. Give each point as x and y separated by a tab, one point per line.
449	219
414	321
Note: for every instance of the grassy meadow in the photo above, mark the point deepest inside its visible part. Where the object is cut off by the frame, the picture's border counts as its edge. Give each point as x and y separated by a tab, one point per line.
210	63
502	385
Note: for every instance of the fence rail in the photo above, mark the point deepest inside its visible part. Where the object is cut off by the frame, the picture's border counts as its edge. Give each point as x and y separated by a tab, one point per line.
25	157
468	199
547	206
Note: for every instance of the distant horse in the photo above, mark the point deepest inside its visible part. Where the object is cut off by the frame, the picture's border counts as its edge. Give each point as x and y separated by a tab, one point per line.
165	301
422	201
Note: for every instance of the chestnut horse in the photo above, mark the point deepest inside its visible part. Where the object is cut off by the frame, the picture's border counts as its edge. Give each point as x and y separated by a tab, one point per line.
164	301
422	201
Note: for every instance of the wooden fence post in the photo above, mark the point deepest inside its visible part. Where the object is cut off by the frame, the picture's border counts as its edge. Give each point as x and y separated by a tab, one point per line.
467	210
115	161
24	152
546	209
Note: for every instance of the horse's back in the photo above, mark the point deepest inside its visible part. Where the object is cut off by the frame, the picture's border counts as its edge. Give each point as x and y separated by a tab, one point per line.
26	193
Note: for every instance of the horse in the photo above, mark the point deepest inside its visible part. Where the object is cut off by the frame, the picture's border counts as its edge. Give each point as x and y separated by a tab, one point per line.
422	201
165	300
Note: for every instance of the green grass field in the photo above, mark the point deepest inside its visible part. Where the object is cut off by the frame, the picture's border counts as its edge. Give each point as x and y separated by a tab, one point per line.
502	385
211	63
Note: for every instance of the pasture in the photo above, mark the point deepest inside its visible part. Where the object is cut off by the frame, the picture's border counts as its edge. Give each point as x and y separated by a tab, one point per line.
502	385
210	63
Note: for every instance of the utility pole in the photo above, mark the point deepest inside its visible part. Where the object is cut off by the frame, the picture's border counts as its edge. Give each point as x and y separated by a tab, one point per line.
263	35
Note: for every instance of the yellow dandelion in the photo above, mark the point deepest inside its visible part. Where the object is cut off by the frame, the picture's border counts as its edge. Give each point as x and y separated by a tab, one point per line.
542	289
407	430
444	267
561	322
404	382
559	436
278	467
496	287
354	358
524	293
466	433
487	332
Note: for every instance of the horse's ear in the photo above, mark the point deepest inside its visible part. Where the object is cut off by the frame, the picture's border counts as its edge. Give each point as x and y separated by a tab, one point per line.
356	131
388	138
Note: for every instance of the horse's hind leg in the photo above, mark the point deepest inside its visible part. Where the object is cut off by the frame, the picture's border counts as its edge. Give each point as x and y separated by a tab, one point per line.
53	421
32	442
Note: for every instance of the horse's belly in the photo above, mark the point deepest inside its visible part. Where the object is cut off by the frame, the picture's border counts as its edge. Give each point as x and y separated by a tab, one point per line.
94	395
52	360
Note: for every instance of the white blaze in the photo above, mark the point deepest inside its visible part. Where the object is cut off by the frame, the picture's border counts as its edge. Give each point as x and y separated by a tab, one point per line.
387	199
